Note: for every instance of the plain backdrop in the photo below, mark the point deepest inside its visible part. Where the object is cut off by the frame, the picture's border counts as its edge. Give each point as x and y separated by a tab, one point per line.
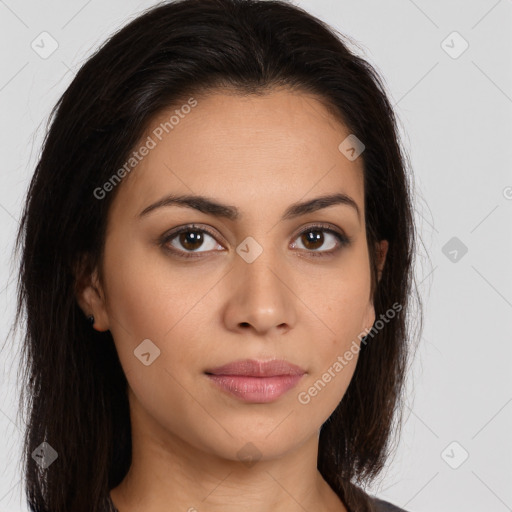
448	70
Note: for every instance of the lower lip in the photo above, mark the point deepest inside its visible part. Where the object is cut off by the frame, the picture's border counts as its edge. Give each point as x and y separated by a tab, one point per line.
256	389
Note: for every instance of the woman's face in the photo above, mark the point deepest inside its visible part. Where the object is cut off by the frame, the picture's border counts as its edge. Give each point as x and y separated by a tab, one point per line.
258	285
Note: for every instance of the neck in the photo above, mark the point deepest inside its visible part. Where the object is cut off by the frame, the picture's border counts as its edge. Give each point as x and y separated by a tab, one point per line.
169	474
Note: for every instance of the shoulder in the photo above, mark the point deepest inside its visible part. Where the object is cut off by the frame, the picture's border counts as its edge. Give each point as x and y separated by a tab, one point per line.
385	506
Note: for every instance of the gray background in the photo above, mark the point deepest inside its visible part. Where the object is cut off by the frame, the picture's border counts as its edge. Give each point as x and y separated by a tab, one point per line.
456	117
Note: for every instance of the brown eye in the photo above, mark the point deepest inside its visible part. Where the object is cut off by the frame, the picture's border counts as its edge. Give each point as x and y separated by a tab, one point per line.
187	240
312	239
191	240
315	237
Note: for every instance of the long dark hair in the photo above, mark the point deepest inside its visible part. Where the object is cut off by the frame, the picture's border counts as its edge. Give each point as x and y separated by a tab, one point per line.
74	389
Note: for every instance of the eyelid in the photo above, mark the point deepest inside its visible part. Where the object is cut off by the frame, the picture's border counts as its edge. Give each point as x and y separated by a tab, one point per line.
172	233
342	238
322	226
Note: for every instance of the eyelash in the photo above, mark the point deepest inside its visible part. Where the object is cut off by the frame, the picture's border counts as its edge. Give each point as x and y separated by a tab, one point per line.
342	239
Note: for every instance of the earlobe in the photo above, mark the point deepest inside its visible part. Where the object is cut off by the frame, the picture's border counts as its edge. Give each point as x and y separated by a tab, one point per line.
370	318
91	299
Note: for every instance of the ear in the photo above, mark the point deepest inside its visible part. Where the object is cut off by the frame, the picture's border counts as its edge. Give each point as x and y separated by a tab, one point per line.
90	295
381	251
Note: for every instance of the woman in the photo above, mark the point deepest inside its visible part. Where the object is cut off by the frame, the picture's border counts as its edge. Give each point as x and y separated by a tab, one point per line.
217	250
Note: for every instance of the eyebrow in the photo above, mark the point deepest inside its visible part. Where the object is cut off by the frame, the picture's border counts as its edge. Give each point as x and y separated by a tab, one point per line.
212	207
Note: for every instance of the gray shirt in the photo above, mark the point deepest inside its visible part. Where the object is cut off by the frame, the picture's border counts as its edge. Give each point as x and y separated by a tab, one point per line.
385	506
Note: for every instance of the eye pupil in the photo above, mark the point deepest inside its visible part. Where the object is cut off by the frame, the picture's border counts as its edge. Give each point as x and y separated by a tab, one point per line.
315	238
189	238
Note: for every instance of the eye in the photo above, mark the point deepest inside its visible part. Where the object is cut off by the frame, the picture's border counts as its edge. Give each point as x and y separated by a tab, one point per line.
312	238
190	238
186	241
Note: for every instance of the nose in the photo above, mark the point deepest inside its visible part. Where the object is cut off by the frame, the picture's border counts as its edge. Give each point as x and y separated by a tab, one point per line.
261	296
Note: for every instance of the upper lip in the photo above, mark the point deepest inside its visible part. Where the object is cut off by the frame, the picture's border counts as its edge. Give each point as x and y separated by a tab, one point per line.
253	368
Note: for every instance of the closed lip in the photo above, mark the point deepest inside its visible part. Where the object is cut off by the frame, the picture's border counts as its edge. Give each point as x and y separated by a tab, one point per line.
254	368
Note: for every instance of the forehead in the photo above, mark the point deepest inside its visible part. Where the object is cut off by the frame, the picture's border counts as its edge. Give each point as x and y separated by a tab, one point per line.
255	151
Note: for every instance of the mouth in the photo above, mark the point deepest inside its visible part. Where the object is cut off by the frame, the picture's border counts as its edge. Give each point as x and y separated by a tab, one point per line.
256	381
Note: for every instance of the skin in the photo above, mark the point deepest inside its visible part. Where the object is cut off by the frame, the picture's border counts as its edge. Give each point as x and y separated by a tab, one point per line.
260	154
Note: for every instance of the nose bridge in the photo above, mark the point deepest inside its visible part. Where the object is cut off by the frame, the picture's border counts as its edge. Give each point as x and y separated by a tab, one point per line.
260	296
259	264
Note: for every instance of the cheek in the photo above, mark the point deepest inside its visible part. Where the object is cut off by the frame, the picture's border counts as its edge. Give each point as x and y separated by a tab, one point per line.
147	306
142	301
343	312
143	287
342	298
152	298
